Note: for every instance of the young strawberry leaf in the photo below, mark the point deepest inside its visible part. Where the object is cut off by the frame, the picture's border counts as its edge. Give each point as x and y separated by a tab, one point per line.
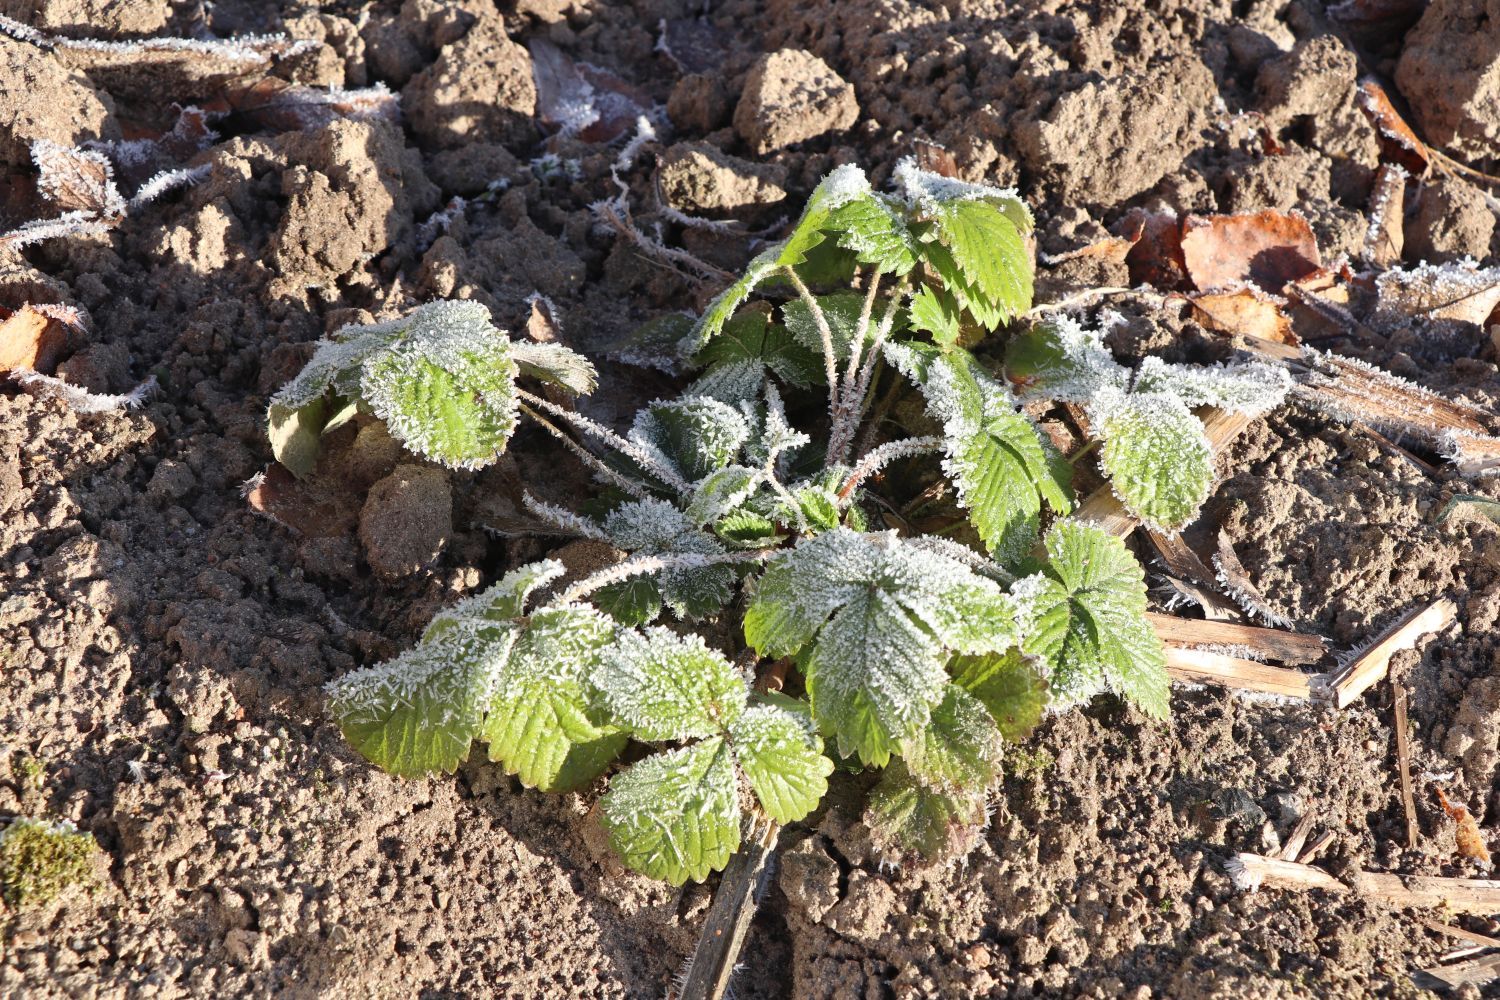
782	756
870	618
1156	454
718	493
1010	684
841	310
656	527
997	457
875	230
676	815
958	750
1085	614
912	821
556	364
663	686
539	723
749	350
937	313
697	435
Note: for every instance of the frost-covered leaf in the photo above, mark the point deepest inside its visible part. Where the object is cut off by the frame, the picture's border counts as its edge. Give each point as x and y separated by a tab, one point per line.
871	619
636	601
499	603
749	348
782	757
818	506
655	527
696	434
664	686
718	493
301	411
723	307
1010	684
1157	456
876	231
997	458
676	815
911	821
1251	388
419	713
556	364
539	723
1061	359
1085	614
746	529
959	749
841	309
990	253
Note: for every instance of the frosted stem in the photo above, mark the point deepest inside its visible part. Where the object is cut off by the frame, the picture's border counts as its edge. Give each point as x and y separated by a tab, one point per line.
627	448
887	453
830	360
601	470
861	331
636	565
846	418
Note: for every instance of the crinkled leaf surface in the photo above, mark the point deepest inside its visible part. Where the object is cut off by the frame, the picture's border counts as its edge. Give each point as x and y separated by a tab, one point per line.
556	364
1010	684
958	751
697	435
990	253
874	229
871	619
750	348
1251	388
1060	359
676	815
1157	456
1085	614
909	820
664	686
782	757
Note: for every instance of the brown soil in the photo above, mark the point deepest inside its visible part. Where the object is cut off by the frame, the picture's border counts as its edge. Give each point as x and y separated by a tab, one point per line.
163	647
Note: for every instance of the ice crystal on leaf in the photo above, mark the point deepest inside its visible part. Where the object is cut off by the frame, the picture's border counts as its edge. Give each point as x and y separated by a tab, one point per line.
782	757
1085	615
441	377
669	687
676	815
656	527
909	819
872	620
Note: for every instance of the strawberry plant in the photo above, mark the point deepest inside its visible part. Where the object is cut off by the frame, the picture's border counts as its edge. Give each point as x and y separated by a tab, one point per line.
893	326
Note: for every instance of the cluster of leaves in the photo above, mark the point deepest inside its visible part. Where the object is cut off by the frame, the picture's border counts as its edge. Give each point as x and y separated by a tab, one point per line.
912	653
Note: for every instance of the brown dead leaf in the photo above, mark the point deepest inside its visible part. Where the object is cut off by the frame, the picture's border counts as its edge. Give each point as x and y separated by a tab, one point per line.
542	325
30	338
580	99
317	507
77	180
1457	290
283	106
1470	840
1155	254
1386	236
937	159
1110	250
1398	143
1247	311
1266	248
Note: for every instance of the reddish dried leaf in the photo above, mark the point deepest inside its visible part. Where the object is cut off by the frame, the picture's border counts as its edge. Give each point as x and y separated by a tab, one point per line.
315	507
1266	248
1246	311
1155	255
934	158
1110	250
1398	143
1470	840
278	104
77	180
542	325
29	338
582	100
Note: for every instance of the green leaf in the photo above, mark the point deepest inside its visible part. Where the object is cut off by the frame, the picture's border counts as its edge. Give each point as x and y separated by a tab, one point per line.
1060	359
720	492
876	232
842	310
539	724
556	364
723	307
498	603
1157	456
782	757
959	749
990	252
664	686
656	527
746	529
884	613
1010	686
419	713
911	821
842	186
749	348
676	815
633	601
1085	613
819	506
696	434
955	283
937	313
997	458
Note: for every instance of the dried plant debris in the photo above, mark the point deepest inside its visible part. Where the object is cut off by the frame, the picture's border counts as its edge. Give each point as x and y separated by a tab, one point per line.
280	105
1398	143
80	400
1267	249
1247	310
33	337
1469	839
1459	290
1237	584
1385	237
582	100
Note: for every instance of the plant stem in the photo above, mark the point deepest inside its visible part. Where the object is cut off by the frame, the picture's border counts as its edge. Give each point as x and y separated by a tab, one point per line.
629	449
861	331
1083	452
728	921
625	483
830	359
636	565
884	455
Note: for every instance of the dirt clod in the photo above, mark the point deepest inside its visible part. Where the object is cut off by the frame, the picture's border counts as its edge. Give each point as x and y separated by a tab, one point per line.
407	520
789	97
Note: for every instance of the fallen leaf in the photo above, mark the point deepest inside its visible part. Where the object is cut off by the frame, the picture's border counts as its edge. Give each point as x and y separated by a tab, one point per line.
935	159
1398	143
1267	248
1385	236
1470	840
694	44
1245	310
542	325
1110	250
315	507
1155	254
281	105
1458	290
77	180
29	338
582	100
